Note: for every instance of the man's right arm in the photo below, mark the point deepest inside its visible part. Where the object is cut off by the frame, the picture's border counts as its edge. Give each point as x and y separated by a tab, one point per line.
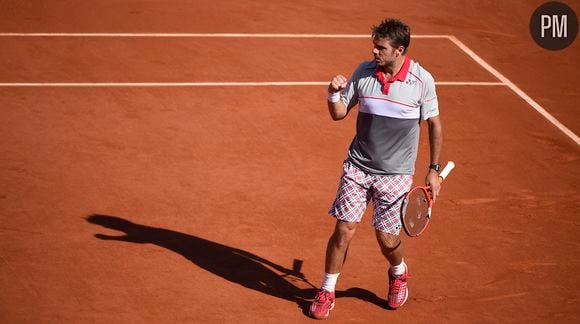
336	107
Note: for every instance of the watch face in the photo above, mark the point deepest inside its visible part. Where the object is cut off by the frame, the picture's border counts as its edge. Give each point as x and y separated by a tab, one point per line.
435	167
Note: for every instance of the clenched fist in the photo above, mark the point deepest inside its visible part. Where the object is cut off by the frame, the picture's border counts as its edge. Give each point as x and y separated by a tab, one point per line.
337	84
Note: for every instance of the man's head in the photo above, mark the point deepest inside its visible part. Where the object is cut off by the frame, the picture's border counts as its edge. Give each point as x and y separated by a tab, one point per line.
391	39
395	31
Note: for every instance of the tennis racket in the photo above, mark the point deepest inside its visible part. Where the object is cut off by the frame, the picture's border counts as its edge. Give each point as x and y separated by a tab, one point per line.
417	205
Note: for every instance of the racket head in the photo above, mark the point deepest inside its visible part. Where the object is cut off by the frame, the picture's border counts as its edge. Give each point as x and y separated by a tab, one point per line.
416	211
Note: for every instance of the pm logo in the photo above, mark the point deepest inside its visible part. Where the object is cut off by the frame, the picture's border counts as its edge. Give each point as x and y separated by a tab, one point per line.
554	26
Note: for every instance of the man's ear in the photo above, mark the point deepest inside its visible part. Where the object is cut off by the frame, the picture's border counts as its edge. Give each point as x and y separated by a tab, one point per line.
401	50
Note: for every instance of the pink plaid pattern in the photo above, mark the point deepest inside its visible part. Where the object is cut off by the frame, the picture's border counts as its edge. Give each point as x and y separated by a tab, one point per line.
357	188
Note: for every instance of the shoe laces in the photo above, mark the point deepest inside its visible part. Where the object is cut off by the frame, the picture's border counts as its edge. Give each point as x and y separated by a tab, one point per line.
323	296
397	284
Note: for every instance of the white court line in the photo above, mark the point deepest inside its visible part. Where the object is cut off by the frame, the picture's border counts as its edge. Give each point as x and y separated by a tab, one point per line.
201	35
504	81
206	84
453	83
517	90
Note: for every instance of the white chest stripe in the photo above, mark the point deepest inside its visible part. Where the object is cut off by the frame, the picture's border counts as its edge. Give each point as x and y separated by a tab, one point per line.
388	108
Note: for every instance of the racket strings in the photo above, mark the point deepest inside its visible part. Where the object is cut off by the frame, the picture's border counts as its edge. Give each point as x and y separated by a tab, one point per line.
416	212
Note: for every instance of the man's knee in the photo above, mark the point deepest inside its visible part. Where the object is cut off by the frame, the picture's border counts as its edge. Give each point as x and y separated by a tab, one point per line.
388	241
343	233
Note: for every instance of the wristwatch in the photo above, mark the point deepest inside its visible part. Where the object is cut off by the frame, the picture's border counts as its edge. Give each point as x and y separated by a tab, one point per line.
435	166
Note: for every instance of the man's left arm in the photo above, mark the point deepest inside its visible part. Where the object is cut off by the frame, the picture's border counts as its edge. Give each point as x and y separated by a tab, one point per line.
435	145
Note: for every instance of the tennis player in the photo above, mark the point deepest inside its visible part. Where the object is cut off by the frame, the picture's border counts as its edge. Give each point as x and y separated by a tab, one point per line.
393	93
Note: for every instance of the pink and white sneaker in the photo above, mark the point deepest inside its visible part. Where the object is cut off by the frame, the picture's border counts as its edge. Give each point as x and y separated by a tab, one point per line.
322	305
398	292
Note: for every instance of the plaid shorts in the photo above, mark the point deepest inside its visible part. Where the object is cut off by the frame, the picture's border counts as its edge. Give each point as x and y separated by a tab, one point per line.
357	188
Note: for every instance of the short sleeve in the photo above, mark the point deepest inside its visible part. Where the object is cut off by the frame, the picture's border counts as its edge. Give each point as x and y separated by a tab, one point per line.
429	102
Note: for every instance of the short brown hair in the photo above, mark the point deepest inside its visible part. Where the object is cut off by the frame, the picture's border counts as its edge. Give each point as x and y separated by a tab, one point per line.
397	32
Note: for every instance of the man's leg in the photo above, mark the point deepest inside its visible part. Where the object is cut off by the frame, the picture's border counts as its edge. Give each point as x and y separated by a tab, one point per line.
336	252
338	244
348	208
391	247
388	195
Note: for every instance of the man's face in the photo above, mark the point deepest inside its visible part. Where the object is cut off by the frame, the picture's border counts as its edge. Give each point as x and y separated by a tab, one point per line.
385	55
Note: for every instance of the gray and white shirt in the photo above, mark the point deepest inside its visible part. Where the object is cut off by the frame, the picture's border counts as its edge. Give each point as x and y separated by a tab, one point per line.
387	131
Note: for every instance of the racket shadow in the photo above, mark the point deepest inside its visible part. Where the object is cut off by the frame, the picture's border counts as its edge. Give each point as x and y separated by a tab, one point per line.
235	265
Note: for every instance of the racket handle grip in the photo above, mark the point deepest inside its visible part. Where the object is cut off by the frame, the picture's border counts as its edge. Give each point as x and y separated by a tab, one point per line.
446	170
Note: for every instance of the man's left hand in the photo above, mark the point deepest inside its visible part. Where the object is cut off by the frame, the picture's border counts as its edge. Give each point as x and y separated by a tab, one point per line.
432	180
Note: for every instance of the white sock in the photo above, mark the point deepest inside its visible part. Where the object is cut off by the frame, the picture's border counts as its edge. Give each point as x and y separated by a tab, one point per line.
329	281
398	270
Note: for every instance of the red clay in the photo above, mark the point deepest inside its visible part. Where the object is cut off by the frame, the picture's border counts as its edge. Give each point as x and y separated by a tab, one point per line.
167	205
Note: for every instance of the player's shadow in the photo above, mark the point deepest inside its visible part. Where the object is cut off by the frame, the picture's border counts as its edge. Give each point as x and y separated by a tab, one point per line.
235	265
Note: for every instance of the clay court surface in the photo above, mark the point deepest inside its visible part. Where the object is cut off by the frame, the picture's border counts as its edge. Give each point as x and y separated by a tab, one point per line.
190	204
